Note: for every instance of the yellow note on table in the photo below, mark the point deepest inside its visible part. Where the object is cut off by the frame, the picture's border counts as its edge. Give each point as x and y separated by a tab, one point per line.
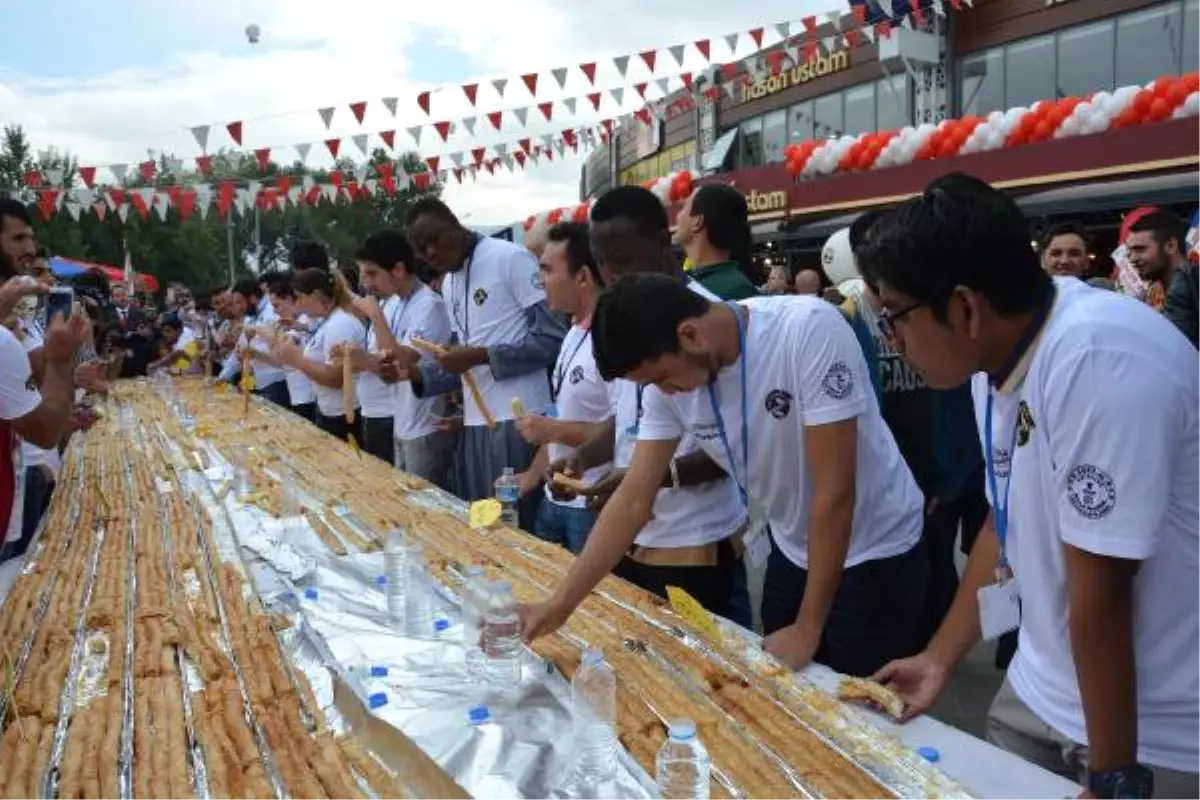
690	609
518	408
483	513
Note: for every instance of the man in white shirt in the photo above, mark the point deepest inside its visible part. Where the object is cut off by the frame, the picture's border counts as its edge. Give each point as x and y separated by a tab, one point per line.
1087	406
413	310
269	377
505	337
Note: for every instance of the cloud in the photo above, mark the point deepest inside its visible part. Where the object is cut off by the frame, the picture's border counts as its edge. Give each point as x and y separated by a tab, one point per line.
308	58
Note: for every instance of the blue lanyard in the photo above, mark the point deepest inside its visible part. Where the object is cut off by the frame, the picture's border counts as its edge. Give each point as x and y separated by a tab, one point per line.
716	408
999	505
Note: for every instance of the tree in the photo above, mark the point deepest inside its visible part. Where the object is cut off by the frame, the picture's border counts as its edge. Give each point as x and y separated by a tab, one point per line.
196	251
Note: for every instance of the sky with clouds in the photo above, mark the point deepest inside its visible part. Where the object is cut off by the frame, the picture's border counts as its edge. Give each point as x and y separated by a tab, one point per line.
108	81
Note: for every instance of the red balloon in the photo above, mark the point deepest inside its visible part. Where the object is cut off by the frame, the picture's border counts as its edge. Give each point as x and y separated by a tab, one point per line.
1141	102
1177	94
1162	84
554	216
1192	81
1160	109
580	214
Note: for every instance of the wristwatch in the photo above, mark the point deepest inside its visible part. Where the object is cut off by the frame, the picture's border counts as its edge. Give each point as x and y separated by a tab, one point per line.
1136	781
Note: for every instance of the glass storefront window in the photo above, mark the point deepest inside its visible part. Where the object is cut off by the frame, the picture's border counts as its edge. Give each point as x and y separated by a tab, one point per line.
1148	44
827	116
859	110
800	122
981	82
1027	71
774	136
750	150
1191	36
893	106
1085	62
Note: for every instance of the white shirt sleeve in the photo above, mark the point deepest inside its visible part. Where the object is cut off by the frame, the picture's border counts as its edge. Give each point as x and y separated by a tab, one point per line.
831	372
660	418
524	279
431	322
345	328
185	338
18	395
1112	419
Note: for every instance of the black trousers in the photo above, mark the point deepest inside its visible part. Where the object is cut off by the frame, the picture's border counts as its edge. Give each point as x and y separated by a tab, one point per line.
876	613
306	410
277	393
379	438
337	425
711	586
940	533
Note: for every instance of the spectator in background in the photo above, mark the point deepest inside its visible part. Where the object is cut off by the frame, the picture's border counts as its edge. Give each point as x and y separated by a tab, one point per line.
1156	250
808	282
133	332
269	380
1065	250
779	281
713	228
307	254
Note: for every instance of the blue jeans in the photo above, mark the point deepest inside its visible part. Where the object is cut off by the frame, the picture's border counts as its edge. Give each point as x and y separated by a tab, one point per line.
563	525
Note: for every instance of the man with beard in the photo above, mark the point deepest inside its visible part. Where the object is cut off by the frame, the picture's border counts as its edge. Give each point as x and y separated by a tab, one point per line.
1156	250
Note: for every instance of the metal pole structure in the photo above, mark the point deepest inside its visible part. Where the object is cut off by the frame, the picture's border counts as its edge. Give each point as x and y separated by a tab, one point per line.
229	242
257	239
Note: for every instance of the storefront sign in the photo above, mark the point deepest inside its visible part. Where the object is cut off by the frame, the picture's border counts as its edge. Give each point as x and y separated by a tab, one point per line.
762	202
816	67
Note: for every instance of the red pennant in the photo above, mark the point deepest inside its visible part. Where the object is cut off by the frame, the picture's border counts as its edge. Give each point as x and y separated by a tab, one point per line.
88	174
477	154
385	169
470	90
729	71
263	154
810	25
641	89
756	34
333	145
359	110
313	195
884	30
235	132
490	167
702	46
389	184
352	190
186	203
433	162
335	178
204	164
712	94
46	203
649	57
225	197
852	37
775	61
494	118
423	102
443	129
283	183
520	157
140	204
594	99
147	170
643	114
687	80
117	196
547	109
33	179
568	136
608	126
174	193
524	144
549	154
389	138
423	180
458	173
531	82
589	70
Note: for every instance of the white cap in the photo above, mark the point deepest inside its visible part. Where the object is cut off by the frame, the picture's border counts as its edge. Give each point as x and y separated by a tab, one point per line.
837	259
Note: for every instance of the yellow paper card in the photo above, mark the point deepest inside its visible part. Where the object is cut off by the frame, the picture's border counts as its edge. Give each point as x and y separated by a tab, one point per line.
687	607
518	408
483	513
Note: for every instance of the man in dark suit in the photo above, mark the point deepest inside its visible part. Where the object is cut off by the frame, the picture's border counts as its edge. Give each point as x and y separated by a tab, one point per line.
133	332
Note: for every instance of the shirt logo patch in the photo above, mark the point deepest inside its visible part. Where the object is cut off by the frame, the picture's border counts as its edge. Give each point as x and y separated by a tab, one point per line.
576	375
536	280
779	403
1025	424
1001	462
480	296
1091	491
838	382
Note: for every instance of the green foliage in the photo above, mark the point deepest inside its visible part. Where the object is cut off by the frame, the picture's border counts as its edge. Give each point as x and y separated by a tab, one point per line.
196	251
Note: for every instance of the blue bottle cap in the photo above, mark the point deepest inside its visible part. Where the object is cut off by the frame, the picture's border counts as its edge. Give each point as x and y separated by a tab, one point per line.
441	624
377	700
379	671
381	580
310	593
478	715
930	754
290	595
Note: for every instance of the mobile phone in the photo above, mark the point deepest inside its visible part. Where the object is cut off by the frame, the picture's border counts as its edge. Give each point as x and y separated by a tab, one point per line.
59	302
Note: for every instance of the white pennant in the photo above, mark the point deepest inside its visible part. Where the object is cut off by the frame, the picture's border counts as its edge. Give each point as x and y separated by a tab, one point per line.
162	204
202	207
326	115
330	192
119	171
499	85
938	8
569	102
784	29
308	182
415	133
255	187
835	19
390	104
360	173
469	124
123	212
731	42
371	185
203	194
147	194
54	176
109	201
501	149
200	132
294	194
618	95
676	52
441	176
175	165
360	141
522	114
547	140
457	159
73	209
302	151
559	146
560	76
869	33
508	162
661	83
622	64
84	196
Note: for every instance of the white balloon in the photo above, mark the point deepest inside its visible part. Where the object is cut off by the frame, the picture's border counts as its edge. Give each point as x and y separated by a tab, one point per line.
1070	127
1100	98
837	259
1123	95
1192	104
252	33
995	118
995	140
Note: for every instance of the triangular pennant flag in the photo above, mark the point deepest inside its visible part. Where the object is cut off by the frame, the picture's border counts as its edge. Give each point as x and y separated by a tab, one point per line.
235	132
521	114
560	76
622	64
308	182
330	192
390	104
360	141
478	154
302	151
73	209
389	138
123	212
370	186
661	83
263	155
162	204
336	178
423	102
88	174
115	197
618	94
495	117
648	57
834	18
594	99
756	34
686	78
146	195
458	173
443	129
200	132
147	169
54	176
101	210
703	47
676	52
457	159
547	110
520	157
414	133
569	102
471	90
499	85
524	144
283	183
731	42
830	43
84	196
589	71
558	146
501	149
333	145
640	88
469	124
359	110
531	83
360	173
433	162
254	187
784	29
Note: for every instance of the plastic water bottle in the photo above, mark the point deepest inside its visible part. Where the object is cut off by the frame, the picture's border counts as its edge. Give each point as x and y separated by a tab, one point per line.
502	637
682	764
397	574
594	709
508	492
418	606
474	601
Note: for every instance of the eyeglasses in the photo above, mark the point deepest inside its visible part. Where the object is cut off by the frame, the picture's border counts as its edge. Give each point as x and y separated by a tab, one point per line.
888	319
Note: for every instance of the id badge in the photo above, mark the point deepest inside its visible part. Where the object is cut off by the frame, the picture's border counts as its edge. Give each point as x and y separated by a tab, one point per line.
999	608
551	411
625	444
756	539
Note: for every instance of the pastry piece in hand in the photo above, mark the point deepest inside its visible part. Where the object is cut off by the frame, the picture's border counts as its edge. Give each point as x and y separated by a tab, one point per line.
573	485
860	690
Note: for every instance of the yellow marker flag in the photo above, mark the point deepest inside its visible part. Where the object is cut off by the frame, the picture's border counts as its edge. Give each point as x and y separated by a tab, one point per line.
690	609
483	513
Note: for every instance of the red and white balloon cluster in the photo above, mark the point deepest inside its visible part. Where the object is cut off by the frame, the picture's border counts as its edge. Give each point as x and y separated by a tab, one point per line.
1168	97
669	189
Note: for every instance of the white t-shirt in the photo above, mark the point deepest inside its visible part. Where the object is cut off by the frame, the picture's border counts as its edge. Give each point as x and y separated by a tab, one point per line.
581	396
378	399
339	327
300	388
803	357
264	374
31	454
18	397
1106	461
487	300
424	318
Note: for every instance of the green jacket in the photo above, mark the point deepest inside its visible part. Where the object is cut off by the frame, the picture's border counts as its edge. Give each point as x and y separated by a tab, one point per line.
726	280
